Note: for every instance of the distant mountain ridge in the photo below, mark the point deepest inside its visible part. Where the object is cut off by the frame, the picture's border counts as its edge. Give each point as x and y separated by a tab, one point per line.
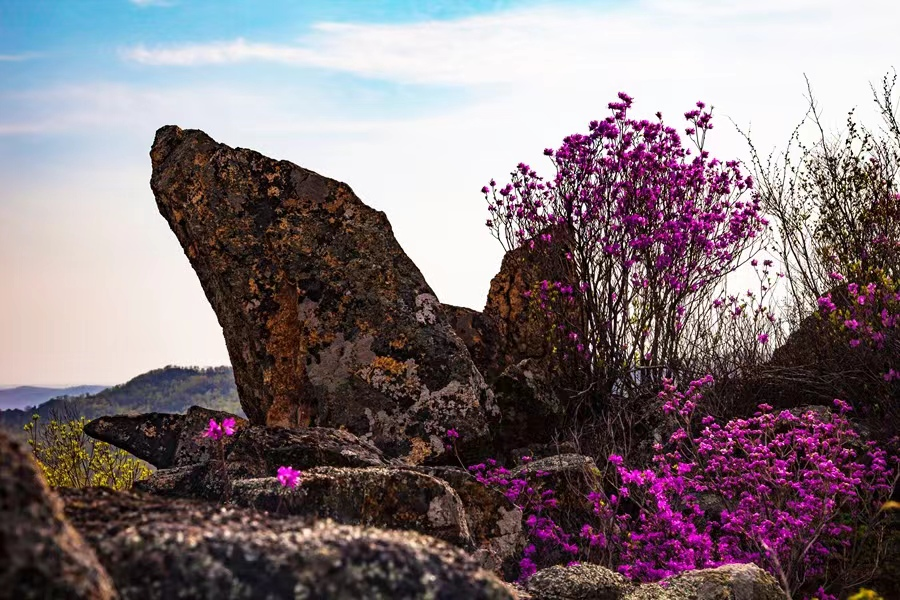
30	395
170	389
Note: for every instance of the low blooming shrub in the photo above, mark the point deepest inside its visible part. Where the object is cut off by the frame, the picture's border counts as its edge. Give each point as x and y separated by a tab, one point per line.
796	494
548	543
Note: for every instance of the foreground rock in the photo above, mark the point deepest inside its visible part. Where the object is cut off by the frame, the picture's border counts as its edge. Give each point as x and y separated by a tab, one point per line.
572	477
387	498
593	582
326	320
165	549
494	522
41	555
578	582
734	582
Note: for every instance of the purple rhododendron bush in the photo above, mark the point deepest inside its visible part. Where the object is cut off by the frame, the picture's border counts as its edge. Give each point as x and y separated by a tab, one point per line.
664	369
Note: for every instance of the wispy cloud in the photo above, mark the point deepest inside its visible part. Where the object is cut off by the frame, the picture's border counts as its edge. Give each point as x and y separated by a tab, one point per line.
19	57
143	3
514	46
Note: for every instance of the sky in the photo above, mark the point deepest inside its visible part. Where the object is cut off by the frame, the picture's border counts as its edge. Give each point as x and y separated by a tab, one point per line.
416	105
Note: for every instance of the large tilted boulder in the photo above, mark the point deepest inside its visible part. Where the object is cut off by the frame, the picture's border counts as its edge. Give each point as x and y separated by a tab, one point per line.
160	549
326	320
41	556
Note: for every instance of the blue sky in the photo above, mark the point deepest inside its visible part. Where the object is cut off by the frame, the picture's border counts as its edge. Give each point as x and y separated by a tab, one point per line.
414	104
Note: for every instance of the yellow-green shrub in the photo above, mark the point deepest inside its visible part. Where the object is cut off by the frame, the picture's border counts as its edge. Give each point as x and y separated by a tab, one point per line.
70	458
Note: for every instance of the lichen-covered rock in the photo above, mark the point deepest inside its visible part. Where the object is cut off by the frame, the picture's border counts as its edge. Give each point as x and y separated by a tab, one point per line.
510	344
578	582
264	449
41	555
202	481
523	327
572	477
326	320
495	523
375	497
728	582
158	549
162	439
481	335
253	451
531	412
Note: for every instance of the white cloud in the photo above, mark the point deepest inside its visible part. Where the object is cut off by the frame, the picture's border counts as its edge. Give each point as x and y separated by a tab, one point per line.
143	3
19	57
558	44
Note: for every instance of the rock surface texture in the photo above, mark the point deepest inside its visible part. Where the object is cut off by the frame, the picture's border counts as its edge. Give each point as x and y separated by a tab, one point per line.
572	477
374	497
326	320
156	549
578	582
171	440
41	555
162	439
593	582
495	523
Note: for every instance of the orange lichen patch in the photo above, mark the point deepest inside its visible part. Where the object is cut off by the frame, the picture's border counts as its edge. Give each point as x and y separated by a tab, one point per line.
419	452
399	343
287	375
273	191
254	289
365	328
314	337
388	365
331	261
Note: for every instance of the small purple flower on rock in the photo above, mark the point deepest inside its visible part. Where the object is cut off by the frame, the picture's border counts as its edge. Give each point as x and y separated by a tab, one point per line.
288	476
213	431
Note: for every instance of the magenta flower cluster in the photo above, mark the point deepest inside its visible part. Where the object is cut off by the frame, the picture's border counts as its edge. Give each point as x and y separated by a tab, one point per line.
289	477
216	431
789	489
548	543
645	226
871	317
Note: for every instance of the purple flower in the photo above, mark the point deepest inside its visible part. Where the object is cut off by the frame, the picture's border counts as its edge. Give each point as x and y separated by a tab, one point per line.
763	338
213	431
452	434
288	477
228	426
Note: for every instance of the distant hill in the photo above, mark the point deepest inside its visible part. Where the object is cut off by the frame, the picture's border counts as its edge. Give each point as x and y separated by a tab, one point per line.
29	395
170	389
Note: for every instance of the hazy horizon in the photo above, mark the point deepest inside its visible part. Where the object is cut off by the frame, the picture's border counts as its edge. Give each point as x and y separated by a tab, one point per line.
416	105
